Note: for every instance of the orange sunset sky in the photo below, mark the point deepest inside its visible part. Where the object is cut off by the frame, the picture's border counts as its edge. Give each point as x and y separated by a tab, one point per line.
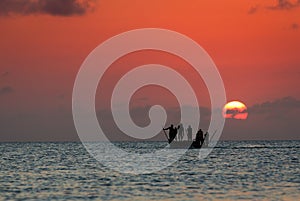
255	45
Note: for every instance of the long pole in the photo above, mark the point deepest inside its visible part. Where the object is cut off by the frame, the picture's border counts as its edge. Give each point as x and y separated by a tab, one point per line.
166	135
213	135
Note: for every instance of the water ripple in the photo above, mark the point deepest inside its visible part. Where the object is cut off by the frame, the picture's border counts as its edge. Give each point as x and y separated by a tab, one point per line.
255	170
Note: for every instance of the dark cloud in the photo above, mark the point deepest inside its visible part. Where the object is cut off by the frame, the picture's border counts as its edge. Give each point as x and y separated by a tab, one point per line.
50	7
61	96
279	107
276	119
271	120
280	5
295	26
6	90
235	111
36	125
287	103
4	74
253	10
284	5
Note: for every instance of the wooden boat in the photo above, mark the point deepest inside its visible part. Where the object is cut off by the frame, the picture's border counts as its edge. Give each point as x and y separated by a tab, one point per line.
186	145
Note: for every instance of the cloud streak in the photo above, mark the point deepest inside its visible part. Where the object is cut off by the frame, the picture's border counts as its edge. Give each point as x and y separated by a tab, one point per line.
284	5
277	109
6	90
280	5
271	120
253	10
4	74
50	7
276	119
295	26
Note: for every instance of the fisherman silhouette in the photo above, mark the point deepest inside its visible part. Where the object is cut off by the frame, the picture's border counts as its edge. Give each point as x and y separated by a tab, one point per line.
180	132
199	137
189	133
176	131
172	132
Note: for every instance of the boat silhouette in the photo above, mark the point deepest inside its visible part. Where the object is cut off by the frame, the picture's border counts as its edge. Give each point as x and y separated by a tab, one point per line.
198	143
187	145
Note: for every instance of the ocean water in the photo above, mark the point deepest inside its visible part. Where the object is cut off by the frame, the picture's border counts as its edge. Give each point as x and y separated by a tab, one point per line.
234	170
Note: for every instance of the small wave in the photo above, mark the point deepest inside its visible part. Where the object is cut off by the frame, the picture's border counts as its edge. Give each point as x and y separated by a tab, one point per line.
257	147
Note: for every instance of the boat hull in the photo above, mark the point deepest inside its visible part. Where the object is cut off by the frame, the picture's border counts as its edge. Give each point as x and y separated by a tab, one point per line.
186	145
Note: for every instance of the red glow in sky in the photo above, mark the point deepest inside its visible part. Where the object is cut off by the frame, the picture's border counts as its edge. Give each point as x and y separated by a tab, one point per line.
255	45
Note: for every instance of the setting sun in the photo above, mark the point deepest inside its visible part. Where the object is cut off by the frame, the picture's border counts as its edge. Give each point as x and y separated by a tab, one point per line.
235	110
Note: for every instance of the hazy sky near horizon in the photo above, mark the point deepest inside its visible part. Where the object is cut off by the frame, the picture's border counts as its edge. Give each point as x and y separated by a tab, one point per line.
255	45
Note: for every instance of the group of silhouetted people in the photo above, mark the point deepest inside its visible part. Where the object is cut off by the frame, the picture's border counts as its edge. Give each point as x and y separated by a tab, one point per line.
201	138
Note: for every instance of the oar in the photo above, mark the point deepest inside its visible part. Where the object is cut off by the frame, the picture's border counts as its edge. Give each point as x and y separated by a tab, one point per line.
166	135
213	135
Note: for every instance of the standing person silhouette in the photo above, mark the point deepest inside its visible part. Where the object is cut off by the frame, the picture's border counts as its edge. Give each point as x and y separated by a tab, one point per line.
180	132
189	133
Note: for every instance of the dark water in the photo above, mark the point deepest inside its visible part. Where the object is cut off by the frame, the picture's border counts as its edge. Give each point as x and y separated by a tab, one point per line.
249	170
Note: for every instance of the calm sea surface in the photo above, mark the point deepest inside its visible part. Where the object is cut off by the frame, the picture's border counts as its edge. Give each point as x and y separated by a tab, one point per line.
249	170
